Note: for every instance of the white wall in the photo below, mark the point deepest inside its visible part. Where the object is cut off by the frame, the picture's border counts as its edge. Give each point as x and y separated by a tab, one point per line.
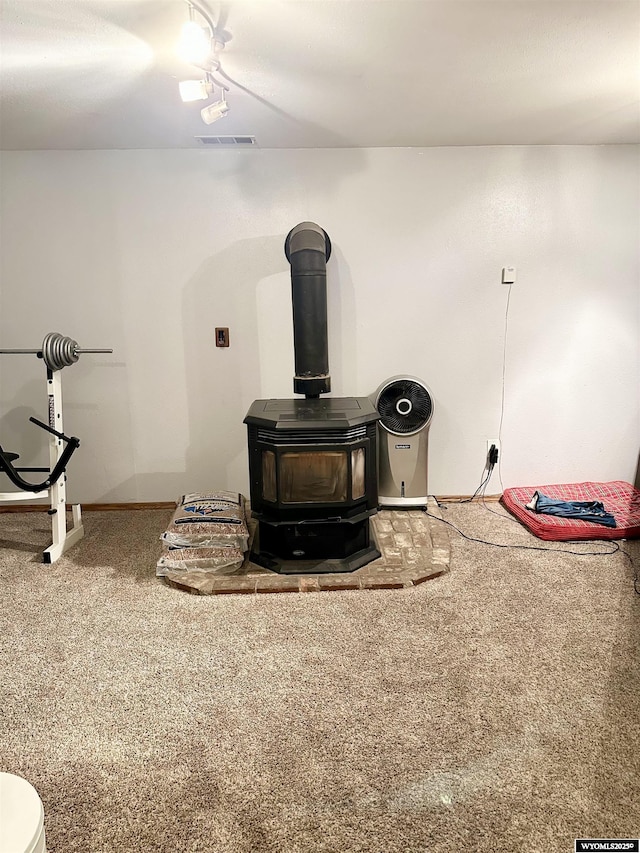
148	251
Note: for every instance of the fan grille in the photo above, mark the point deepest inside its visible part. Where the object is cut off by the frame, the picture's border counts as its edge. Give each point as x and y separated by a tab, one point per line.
404	406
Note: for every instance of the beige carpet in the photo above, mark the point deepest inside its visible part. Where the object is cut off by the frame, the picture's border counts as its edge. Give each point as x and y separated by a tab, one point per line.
495	708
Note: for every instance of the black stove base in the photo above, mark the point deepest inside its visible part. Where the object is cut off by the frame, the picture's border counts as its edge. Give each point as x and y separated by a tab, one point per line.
308	548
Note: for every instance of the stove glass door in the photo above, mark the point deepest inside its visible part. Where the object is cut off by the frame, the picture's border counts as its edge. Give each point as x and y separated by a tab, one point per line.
313	476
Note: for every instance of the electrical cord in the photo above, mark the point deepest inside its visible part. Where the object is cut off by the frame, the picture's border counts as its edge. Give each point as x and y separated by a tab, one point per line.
504	373
493	456
615	544
636	576
499	514
483	485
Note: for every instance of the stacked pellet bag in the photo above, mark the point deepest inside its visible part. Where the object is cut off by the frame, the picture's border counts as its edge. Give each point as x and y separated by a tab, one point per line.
208	532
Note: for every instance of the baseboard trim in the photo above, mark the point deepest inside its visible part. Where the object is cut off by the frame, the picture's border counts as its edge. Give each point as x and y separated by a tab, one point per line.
468	498
123	507
166	505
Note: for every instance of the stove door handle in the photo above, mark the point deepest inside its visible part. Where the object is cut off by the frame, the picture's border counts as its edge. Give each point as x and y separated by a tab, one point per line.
335	520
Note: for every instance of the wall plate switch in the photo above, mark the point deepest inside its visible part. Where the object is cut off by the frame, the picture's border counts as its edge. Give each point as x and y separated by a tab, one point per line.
508	275
222	336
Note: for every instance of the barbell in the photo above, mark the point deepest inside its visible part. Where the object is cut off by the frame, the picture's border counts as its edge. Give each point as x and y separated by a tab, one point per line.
57	351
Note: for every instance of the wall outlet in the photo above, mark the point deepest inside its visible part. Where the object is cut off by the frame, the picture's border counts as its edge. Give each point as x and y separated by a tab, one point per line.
508	275
496	442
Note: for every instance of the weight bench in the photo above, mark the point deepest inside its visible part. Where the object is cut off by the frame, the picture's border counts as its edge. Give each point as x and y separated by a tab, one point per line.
53	486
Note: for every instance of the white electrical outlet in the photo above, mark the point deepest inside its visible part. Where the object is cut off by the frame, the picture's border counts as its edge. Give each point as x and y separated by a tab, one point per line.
496	442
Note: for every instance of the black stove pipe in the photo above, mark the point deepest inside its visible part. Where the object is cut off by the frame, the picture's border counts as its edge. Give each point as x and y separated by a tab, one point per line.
308	248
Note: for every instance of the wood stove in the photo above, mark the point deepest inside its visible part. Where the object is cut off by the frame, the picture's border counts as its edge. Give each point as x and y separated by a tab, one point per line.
312	461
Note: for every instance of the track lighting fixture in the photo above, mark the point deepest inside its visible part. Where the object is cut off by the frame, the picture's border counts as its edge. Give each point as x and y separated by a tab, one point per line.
200	45
195	43
214	111
196	90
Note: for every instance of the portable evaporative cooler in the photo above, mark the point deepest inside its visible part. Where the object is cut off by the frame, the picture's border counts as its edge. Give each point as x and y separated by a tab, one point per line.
405	406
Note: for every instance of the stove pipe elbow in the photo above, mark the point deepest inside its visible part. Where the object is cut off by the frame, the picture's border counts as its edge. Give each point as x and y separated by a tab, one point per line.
308	248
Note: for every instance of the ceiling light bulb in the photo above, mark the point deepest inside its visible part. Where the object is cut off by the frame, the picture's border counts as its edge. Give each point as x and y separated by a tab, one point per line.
195	90
214	111
195	43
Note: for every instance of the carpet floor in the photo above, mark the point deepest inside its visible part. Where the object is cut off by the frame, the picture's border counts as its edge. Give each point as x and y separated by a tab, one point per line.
494	708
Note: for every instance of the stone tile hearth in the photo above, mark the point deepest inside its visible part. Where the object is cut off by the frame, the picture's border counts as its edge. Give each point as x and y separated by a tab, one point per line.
414	548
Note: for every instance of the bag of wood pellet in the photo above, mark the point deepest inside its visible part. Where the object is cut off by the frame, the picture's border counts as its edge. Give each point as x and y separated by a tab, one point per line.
209	519
221	560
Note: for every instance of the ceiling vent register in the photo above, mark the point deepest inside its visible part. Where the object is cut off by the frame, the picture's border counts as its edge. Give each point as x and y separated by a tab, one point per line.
227	141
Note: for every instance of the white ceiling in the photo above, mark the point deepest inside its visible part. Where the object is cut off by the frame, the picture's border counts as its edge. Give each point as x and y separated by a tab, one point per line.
325	73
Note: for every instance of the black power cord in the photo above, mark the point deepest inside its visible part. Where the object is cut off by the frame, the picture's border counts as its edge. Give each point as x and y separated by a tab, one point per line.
615	545
492	458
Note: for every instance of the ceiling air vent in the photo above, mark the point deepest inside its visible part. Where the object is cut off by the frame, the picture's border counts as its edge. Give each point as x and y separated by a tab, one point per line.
226	141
